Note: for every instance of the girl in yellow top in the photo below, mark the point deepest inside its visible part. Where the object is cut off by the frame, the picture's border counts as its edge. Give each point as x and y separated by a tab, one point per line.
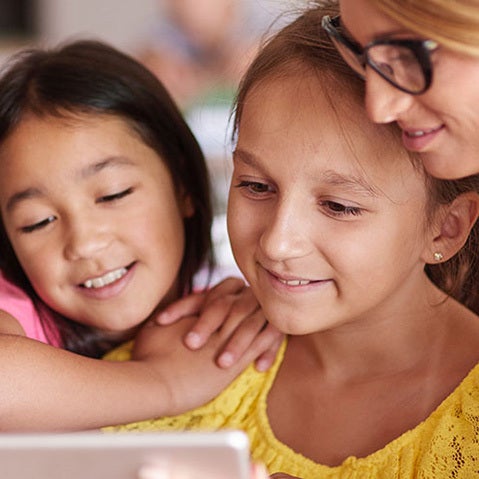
366	262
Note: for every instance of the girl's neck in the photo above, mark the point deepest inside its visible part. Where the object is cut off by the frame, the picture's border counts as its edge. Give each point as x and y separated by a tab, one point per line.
389	344
384	376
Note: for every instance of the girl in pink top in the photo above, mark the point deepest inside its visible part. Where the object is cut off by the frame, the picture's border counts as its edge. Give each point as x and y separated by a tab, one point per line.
18	304
106	218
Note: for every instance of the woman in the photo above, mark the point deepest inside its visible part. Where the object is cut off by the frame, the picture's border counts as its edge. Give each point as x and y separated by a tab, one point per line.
420	60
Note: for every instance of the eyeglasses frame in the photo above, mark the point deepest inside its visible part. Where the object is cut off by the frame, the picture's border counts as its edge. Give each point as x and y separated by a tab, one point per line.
421	49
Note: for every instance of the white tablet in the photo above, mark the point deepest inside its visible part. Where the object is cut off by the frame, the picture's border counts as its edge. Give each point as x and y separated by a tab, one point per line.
96	455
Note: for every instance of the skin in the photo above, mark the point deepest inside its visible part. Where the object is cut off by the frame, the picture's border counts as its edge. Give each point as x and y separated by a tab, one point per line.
333	240
446	113
348	221
77	203
77	208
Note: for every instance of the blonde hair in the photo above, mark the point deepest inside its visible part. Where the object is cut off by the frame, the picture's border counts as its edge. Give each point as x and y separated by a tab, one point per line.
452	23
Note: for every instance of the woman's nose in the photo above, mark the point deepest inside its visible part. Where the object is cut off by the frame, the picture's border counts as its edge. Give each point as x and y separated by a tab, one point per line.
384	102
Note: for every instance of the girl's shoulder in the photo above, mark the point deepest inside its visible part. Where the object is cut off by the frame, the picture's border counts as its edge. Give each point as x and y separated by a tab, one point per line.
236	407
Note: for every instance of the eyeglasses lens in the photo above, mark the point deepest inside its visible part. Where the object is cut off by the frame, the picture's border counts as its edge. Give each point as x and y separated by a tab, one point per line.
397	64
353	60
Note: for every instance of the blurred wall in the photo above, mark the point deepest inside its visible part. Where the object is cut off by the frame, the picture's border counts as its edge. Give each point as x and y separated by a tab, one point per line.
121	22
124	23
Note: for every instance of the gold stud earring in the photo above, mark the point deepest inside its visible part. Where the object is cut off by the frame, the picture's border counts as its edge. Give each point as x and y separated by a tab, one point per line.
438	256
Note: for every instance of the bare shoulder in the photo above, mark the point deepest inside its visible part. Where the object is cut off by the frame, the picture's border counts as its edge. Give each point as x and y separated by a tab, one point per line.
10	325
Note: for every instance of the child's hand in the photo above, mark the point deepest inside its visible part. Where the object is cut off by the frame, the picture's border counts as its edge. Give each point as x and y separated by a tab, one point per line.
191	378
229	305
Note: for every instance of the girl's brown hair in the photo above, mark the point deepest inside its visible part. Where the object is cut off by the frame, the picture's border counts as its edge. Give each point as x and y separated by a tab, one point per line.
302	46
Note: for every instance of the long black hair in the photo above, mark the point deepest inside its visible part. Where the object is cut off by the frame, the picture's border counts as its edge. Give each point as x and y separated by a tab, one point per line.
90	77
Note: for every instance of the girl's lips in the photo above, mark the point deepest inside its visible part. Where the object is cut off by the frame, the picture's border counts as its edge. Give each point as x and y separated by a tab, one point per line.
109	289
105	279
292	284
418	140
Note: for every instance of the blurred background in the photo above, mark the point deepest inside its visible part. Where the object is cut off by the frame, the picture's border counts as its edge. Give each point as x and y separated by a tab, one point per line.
198	48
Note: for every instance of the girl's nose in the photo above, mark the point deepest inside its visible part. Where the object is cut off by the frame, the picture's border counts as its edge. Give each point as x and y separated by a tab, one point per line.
384	102
86	238
285	235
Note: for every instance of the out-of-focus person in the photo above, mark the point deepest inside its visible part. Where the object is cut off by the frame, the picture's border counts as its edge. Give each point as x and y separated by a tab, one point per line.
202	46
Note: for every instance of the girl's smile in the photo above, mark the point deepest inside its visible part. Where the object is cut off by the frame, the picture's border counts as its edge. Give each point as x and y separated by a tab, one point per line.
108	285
106	279
290	281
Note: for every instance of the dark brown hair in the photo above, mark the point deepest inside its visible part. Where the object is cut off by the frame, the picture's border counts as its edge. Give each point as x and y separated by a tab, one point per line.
302	47
89	77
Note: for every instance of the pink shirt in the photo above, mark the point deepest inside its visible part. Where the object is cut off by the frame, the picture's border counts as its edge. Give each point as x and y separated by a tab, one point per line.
18	304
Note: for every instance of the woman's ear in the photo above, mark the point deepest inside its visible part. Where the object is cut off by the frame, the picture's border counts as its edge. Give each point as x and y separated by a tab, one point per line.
453	225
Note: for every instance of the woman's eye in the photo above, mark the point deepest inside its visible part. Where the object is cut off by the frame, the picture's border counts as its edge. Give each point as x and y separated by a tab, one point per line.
254	187
338	209
39	225
115	196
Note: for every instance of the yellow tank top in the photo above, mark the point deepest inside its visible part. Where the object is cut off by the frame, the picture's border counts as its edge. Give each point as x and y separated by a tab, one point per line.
445	445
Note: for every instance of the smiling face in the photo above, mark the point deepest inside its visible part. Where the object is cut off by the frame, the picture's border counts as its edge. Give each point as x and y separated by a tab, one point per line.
442	123
328	227
94	218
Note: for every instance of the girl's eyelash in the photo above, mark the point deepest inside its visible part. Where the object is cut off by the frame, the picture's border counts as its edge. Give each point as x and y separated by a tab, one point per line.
337	209
39	225
255	187
104	199
115	196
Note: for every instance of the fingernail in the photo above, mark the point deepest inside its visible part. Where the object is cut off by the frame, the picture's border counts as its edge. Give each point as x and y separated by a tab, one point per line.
226	360
193	340
163	318
262	365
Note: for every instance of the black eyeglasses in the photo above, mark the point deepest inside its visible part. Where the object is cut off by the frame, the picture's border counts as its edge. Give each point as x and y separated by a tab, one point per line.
404	63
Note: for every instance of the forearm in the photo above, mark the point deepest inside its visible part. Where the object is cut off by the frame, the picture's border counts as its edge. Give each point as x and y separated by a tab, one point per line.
46	388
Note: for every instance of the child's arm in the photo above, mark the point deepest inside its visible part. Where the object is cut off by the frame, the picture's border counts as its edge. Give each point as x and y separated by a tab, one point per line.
230	300
47	388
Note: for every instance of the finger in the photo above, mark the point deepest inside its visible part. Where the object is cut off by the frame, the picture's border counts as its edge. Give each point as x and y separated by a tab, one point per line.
241	339
231	285
226	312
210	320
268	340
187	306
266	360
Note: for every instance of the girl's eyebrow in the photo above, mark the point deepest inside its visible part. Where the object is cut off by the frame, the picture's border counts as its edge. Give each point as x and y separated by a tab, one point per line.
109	162
245	157
22	196
354	183
86	172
